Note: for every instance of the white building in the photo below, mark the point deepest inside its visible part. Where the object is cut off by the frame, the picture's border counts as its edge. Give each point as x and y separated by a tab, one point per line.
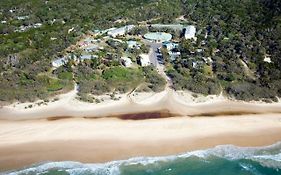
87	57
170	26
267	59
89	40
59	62
197	64
174	55
189	32
199	50
132	44
107	30
22	17
91	48
127	61
120	31
207	60
37	25
170	45
144	60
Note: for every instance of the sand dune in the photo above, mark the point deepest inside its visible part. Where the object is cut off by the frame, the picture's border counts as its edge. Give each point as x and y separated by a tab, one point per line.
168	100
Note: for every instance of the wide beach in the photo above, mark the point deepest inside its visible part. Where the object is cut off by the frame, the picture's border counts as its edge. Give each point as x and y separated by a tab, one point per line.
30	136
94	141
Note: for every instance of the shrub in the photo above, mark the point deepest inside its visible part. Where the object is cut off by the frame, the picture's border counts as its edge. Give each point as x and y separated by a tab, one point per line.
155	81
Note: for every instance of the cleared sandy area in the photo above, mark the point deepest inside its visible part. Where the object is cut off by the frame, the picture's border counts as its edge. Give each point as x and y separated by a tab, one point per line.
178	103
99	140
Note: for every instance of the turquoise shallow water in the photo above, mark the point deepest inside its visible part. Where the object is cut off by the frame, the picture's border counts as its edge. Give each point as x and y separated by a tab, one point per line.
221	160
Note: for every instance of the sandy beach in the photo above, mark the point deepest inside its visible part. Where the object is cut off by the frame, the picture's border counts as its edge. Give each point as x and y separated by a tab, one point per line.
69	129
99	140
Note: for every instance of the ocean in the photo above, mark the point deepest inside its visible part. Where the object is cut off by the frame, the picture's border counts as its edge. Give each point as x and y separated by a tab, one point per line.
220	160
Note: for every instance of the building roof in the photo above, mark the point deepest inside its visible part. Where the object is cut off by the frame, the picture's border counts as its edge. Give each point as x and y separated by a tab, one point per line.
108	30
158	36
37	25
132	44
59	62
91	48
120	31
127	61
267	59
89	40
22	17
170	45
174	55
87	57
190	32
144	59
171	26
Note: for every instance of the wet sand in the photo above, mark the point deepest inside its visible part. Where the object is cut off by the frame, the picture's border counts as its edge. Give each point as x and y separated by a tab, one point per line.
94	141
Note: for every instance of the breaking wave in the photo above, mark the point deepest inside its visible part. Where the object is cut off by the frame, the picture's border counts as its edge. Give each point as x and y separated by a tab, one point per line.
218	160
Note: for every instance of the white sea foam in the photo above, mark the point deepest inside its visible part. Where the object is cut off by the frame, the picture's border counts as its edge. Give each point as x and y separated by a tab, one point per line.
250	168
276	157
73	168
269	156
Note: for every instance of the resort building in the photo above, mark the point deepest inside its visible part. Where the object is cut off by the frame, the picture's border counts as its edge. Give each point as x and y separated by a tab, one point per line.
199	50
170	45
87	42
207	60
197	64
132	44
144	60
267	59
91	48
127	62
37	25
108	30
97	32
174	55
169	26
158	36
189	32
59	62
22	17
120	31
87	57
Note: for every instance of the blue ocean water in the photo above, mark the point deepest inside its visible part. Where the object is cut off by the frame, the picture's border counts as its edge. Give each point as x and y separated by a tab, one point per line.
220	160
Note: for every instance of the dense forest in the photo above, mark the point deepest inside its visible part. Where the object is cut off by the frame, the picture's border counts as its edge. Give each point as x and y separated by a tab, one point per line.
240	34
237	36
25	56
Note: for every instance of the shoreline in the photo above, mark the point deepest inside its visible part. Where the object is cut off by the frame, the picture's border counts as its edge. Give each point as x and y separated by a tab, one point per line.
24	143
